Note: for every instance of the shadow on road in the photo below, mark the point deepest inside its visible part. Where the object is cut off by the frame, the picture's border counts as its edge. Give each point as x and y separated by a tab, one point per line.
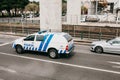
61	56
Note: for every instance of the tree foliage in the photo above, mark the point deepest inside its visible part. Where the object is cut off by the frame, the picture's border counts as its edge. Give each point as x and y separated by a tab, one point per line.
12	4
84	10
32	7
64	7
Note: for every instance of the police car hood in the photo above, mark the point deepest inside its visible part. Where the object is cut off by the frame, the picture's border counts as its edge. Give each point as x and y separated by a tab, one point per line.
20	39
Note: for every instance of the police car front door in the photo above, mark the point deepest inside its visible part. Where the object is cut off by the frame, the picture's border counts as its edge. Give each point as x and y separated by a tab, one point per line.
28	43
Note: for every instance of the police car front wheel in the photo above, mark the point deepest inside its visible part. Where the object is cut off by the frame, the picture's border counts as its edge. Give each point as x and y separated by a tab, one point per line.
53	53
19	49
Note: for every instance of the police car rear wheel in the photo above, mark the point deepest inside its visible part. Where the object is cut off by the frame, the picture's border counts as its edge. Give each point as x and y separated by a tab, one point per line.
53	53
19	49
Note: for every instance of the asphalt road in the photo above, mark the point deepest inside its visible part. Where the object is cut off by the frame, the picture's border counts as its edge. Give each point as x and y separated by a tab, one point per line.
83	65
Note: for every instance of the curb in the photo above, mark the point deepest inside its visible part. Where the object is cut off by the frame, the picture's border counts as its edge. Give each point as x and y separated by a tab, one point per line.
76	41
81	42
13	34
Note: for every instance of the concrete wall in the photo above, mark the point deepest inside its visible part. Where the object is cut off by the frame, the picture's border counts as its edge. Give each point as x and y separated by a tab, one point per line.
50	15
73	11
92	9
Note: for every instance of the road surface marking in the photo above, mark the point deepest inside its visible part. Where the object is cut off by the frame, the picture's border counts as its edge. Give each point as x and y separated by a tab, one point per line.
5	44
116	67
65	64
118	63
7	69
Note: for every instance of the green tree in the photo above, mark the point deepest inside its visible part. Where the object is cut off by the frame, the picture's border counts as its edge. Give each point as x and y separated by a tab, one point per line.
1	7
20	4
84	10
6	5
12	4
32	7
64	7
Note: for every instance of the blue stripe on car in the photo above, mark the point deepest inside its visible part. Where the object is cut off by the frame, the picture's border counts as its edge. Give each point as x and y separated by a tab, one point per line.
40	47
35	49
13	46
26	48
42	43
29	48
64	51
60	51
47	42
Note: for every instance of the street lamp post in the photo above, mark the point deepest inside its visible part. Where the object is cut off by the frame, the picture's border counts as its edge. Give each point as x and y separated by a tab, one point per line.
96	6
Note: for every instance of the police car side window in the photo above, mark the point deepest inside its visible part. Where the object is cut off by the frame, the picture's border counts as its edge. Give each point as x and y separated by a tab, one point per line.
68	37
30	38
39	38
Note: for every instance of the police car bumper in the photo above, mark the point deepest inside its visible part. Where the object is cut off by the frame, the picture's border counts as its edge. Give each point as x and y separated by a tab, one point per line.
70	51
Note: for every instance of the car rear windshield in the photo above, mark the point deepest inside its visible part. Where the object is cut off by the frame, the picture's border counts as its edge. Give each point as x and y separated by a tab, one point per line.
68	37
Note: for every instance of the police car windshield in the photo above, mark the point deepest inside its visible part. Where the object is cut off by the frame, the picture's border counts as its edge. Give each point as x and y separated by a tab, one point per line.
68	37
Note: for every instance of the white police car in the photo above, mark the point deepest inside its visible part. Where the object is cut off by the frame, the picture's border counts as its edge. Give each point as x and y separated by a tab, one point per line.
53	43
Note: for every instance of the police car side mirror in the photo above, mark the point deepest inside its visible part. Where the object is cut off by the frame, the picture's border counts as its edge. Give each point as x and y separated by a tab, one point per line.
24	39
111	43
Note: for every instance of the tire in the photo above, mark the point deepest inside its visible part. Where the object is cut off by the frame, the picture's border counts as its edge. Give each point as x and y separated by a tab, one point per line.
98	49
53	53
19	49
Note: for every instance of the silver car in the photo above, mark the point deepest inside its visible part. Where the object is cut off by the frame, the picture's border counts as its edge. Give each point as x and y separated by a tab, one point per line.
92	18
109	46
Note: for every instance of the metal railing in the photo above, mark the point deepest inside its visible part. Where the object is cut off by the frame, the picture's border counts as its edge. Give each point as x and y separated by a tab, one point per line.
74	30
19	20
93	32
90	31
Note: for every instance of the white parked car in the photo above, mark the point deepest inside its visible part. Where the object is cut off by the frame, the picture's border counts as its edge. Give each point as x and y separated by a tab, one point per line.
109	46
53	43
92	18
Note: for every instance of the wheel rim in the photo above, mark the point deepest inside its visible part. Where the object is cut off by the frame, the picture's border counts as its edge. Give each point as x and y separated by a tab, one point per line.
19	49
99	50
52	54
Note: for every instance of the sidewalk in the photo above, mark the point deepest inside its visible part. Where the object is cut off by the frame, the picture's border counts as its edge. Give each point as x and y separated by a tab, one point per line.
84	41
78	41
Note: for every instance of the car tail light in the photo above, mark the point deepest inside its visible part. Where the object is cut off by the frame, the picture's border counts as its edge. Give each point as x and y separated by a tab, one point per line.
66	48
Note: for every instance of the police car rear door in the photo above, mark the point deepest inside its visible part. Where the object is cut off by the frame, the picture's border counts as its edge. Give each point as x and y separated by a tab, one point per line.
39	41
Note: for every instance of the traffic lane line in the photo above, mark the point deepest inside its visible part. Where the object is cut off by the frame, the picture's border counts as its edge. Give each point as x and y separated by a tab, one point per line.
118	63
65	64
8	39
7	69
116	67
77	57
115	64
98	65
81	57
6	43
